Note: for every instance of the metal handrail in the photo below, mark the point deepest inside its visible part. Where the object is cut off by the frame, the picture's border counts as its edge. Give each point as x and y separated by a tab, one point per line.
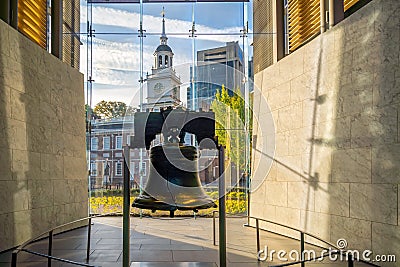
50	234
279	224
302	240
294	229
56	258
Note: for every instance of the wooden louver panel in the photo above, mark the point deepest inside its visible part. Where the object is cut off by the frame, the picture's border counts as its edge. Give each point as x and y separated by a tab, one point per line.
71	28
32	20
303	21
349	3
263	34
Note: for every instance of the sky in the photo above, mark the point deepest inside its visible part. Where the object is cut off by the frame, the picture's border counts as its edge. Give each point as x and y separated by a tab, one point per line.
116	47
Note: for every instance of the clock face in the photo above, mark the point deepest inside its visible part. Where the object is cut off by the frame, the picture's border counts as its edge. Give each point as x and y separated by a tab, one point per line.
158	88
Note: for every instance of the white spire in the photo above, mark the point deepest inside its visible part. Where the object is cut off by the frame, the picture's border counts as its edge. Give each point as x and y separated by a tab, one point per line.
163	38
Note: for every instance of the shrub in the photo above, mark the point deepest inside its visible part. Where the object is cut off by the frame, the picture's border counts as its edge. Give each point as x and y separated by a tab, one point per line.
114	204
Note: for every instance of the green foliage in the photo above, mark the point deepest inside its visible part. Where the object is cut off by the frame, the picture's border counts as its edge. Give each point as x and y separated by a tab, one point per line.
230	124
110	109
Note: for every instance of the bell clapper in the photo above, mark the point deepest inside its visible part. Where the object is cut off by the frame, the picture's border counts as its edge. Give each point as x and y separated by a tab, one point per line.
195	211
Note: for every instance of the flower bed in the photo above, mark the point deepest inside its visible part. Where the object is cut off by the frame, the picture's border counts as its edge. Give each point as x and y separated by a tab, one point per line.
235	204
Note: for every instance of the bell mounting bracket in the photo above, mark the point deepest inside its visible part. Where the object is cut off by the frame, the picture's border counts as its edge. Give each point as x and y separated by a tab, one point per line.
173	124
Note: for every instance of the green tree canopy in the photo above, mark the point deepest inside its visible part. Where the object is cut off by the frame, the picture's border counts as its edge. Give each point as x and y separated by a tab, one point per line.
230	124
110	109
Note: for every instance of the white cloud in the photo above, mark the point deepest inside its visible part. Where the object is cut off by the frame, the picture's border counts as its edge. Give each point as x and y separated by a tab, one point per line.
116	63
152	24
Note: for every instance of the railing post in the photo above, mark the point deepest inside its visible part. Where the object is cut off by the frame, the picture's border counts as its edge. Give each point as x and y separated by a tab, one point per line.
258	235
214	239
222	209
14	258
126	210
49	252
88	240
302	249
350	262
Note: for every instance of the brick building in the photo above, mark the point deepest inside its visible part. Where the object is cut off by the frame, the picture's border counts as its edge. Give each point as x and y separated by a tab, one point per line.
107	140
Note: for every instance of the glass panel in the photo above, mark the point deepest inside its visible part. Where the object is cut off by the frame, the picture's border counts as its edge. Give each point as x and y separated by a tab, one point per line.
110	59
206	56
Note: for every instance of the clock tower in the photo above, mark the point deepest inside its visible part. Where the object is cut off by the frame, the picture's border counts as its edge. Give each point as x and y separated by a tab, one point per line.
163	84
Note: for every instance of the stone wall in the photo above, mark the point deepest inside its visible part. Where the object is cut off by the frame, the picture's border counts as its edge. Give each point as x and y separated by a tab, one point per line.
335	104
43	179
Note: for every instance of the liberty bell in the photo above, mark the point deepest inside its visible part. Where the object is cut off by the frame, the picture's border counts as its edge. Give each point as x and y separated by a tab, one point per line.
173	182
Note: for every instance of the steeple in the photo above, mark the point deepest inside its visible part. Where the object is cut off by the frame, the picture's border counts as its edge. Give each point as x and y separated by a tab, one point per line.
163	38
163	54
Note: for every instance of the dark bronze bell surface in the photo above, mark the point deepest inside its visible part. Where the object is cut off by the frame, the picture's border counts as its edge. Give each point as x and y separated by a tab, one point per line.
173	181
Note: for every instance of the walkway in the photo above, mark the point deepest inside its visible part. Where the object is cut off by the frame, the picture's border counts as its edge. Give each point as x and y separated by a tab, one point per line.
158	242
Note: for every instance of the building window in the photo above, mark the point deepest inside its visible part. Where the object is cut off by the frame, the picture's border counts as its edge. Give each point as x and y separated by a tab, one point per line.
132	170
93	169
106	143
128	140
143	170
118	168
118	142
94	143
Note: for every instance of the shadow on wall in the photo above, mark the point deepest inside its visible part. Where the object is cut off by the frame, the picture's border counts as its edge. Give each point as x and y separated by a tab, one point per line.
8	185
336	171
365	171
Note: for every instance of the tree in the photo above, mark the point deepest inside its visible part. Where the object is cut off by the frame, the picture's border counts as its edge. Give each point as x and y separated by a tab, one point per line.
110	109
230	124
90	113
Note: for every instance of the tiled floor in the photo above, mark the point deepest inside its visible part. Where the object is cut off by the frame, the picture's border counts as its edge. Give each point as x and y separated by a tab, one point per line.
182	242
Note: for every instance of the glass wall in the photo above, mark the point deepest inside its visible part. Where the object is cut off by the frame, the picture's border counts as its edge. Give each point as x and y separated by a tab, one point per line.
193	55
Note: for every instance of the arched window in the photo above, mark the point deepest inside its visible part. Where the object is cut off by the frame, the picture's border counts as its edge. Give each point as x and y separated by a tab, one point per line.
166	61
170	62
159	61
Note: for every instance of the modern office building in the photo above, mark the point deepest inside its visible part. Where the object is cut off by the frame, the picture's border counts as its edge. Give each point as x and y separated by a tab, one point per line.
330	75
216	67
43	174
